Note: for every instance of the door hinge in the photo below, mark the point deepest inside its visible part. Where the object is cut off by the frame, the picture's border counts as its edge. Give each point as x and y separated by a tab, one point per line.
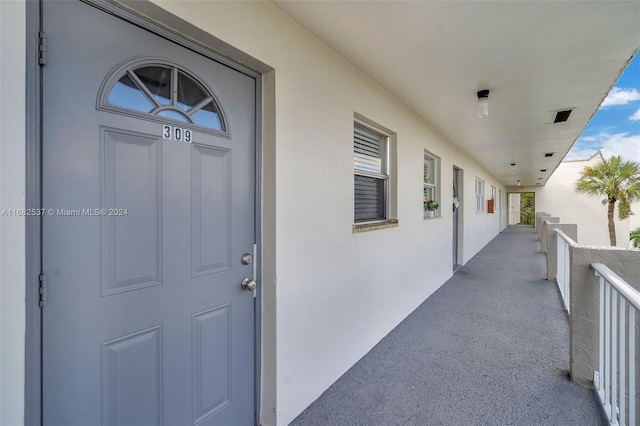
43	291
42	48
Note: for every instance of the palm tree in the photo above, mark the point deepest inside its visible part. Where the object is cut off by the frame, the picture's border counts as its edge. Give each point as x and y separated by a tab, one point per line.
635	237
615	179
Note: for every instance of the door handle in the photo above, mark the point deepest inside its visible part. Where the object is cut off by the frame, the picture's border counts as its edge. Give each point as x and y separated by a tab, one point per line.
249	284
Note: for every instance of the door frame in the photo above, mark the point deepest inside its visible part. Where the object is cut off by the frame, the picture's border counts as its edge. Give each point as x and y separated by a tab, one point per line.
205	46
500	208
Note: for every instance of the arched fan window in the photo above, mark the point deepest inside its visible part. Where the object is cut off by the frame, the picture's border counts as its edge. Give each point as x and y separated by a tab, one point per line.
164	90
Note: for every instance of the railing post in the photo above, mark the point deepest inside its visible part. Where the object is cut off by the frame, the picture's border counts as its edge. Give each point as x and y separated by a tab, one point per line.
601	346
567	276
621	361
607	349
614	354
632	365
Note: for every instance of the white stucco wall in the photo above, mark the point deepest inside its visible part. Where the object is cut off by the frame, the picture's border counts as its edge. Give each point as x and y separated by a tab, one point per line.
339	293
558	198
12	229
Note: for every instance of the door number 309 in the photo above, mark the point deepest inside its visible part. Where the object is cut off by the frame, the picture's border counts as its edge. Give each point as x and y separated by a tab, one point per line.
176	133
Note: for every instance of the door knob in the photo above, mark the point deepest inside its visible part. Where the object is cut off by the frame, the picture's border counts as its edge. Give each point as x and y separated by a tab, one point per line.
249	284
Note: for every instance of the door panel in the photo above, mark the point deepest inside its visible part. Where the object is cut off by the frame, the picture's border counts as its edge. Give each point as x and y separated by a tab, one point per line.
146	322
211	195
132	366
131	247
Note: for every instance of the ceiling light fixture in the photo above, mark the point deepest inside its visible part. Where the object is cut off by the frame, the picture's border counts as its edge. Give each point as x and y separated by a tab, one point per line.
483	104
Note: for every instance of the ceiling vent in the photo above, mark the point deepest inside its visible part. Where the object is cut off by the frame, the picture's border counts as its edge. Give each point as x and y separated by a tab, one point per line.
549	154
562	116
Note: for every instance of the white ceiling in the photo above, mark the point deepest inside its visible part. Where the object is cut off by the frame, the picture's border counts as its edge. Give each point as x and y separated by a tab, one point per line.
536	58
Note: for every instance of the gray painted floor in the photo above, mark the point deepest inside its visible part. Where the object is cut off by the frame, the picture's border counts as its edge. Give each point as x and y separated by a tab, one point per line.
490	347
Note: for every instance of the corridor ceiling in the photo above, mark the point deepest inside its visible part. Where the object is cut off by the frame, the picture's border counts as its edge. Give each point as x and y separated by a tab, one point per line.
535	57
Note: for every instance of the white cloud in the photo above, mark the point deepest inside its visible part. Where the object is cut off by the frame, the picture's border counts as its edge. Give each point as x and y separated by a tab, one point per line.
579	154
623	144
635	116
618	96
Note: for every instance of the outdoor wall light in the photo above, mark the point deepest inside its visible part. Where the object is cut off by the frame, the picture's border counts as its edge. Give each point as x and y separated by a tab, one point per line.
483	104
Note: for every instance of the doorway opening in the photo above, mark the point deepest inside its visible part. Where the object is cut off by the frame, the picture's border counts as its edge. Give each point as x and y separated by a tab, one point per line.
457	218
522	208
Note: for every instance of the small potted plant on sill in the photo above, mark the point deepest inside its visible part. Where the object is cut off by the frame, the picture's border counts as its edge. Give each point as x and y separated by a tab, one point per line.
430	206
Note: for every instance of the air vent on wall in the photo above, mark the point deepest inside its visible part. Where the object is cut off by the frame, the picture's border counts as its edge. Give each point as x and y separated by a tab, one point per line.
562	116
549	154
543	170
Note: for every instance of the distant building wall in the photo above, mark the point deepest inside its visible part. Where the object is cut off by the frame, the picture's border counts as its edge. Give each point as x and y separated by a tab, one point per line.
559	198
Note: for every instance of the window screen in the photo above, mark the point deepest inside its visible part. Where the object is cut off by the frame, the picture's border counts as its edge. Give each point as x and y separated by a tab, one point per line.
370	174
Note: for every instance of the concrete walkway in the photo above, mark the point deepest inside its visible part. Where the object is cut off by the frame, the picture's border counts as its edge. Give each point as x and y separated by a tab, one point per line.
490	347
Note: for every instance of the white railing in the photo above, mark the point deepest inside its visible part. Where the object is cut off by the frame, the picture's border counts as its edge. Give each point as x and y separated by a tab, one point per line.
615	379
563	271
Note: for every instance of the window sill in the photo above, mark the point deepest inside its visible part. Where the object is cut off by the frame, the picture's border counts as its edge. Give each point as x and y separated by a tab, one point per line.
432	218
366	227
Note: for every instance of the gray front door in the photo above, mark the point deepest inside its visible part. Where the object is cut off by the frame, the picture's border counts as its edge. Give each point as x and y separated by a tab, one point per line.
455	238
148	162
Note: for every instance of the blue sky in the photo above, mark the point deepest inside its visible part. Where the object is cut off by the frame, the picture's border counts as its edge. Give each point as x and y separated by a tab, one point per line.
615	128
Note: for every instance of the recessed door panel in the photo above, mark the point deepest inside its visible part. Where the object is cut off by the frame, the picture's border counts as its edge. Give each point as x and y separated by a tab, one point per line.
130	212
211	362
132	379
211	192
